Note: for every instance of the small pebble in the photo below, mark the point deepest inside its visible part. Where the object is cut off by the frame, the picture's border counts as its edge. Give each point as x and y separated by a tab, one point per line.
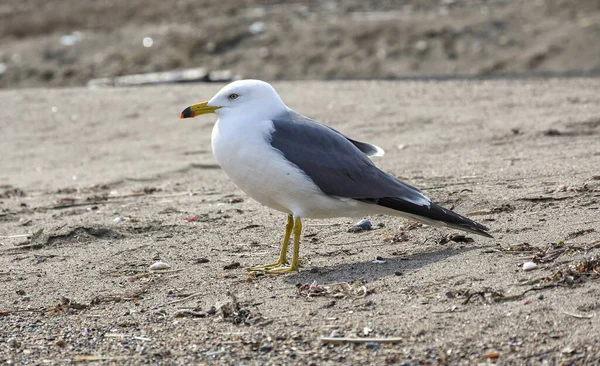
266	348
13	343
211	311
60	343
570	280
362	225
373	346
159	266
493	354
232	266
378	261
118	219
528	266
398	273
201	260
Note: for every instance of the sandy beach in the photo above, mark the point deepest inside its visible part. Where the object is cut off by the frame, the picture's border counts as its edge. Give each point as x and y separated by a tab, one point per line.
97	185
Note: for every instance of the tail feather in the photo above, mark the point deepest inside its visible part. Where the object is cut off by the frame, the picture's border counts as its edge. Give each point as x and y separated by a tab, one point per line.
432	215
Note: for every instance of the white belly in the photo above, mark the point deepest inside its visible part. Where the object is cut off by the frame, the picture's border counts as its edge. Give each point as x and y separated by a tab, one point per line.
262	172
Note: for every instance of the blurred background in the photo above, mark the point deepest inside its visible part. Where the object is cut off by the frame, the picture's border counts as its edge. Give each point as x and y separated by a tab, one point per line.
70	42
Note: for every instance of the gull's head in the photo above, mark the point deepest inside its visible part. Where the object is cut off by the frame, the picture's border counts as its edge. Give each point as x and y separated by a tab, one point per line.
240	98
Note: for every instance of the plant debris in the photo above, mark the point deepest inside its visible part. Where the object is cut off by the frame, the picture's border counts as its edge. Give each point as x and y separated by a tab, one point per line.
340	290
575	274
232	311
64	306
412	225
9	191
579	233
505	207
189	312
569	276
341	340
400	237
457	238
520	248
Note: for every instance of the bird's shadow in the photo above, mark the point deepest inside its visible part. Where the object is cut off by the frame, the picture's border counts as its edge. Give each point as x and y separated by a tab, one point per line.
369	271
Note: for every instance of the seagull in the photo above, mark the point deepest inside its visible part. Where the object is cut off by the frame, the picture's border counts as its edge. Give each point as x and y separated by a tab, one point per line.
306	169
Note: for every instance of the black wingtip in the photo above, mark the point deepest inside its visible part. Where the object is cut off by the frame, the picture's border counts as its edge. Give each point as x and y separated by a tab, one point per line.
433	213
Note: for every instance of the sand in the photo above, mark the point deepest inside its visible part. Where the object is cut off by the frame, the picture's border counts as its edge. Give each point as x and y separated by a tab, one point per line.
114	181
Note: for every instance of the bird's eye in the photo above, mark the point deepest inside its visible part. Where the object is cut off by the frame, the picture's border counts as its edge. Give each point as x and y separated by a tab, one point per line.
233	96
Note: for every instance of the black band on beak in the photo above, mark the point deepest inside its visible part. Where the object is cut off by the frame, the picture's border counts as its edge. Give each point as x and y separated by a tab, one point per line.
187	113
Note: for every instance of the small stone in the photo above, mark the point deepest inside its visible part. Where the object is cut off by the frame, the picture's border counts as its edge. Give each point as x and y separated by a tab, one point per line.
257	27
201	260
421	45
233	265
118	220
266	348
159	266
398	273
493	354
21	292
568	350
13	343
570	280
211	311
362	225
60	343
372	346
528	266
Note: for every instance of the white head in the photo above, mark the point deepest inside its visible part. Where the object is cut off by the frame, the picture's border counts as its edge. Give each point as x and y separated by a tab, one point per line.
240	98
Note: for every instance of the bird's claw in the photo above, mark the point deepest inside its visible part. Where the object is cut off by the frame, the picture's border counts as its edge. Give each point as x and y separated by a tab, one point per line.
264	267
274	268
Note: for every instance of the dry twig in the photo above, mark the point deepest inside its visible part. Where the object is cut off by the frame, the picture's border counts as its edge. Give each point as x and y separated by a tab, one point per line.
336	340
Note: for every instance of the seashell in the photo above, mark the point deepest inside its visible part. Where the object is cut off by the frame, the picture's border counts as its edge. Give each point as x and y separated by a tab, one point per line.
159	266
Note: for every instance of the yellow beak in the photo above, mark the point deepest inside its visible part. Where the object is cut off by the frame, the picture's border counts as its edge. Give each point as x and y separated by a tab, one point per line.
197	109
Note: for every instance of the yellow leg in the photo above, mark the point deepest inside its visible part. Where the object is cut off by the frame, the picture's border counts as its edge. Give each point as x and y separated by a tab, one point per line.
295	253
284	247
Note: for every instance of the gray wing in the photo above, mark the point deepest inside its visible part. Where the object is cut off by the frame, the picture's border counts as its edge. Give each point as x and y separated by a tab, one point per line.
338	165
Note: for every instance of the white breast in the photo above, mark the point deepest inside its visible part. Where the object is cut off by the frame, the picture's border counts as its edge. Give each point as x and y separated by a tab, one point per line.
262	172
